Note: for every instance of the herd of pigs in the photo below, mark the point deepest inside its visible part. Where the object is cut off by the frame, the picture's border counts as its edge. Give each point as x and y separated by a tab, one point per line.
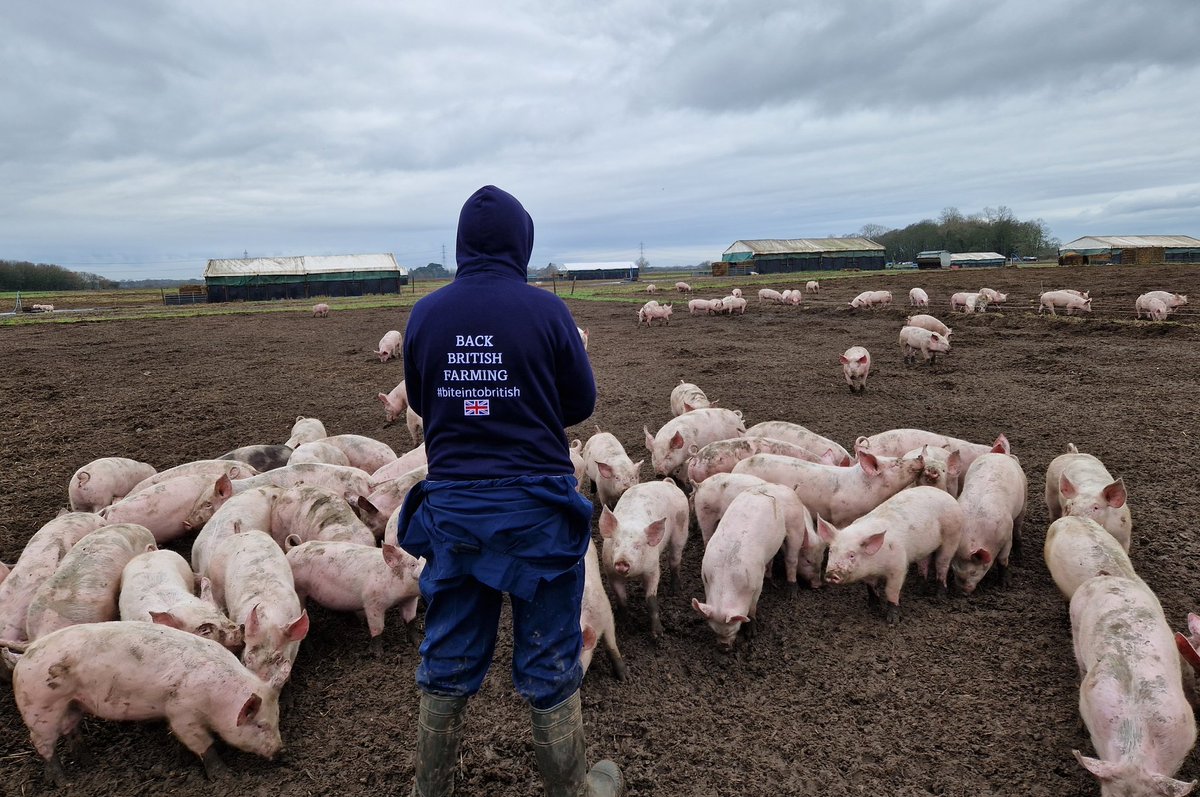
96	618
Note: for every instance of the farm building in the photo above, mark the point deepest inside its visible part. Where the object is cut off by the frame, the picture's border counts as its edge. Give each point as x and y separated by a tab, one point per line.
1137	250
599	271
933	258
777	256
258	278
977	259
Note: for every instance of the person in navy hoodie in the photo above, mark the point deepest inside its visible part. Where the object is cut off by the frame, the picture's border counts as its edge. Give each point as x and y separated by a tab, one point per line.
496	369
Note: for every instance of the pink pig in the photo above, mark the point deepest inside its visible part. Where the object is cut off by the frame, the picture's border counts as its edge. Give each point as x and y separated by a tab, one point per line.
917	297
103	482
929	344
993	507
1079	484
608	467
649	518
319	452
1070	300
896	442
1079	548
309	512
942	467
412	459
1131	697
925	321
349	482
652	310
159	587
306	430
394	402
686	397
713	496
920	525
856	366
142	671
389	495
320	310
209	468
822	448
364	453
596	618
390	346
175	507
354	578
248	510
720	456
682	438
38	561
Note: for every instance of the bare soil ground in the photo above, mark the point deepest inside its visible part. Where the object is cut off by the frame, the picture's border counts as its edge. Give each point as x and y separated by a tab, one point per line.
966	696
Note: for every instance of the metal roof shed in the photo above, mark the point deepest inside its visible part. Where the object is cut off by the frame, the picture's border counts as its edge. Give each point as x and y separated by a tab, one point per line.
1131	249
781	255
977	259
259	278
621	270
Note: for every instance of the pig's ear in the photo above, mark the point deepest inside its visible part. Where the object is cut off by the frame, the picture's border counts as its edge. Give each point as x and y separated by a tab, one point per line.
298	628
655	531
1104	770
869	463
393	557
1115	494
1001	446
365	507
844	360
1187	650
637	466
249	710
829	458
677	441
252	622
223	487
737	618
590	638
605	469
826	530
382	397
703	609
954	463
1065	488
206	593
1169	787
863	360
871	545
687	407
982	555
167	619
608	523
649	439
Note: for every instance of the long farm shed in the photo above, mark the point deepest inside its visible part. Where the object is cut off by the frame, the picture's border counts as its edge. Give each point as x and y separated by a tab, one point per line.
261	278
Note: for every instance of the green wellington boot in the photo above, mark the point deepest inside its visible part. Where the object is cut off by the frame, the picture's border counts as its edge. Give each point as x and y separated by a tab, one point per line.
439	730
561	757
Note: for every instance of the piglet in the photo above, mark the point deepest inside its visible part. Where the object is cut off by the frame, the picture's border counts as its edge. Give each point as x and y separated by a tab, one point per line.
395	402
720	456
159	587
856	366
309	512
942	467
388	496
1079	484
925	321
142	671
682	437
822	448
305	430
1079	548
261	457
212	469
686	397
105	481
348	482
364	453
251	509
920	525
649	518
929	344
608	467
993	507
320	310
390	346
596	617
318	452
86	586
173	508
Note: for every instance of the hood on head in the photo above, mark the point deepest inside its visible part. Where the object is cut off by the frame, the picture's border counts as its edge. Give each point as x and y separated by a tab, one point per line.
495	234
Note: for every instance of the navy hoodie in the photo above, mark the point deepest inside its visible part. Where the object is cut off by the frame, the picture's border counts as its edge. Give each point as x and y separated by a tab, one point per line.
494	366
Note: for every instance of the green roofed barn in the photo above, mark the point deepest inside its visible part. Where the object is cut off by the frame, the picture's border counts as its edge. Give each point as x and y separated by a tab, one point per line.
260	278
777	256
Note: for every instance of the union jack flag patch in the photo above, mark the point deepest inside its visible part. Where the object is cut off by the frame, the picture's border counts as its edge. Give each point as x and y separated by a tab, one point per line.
476	408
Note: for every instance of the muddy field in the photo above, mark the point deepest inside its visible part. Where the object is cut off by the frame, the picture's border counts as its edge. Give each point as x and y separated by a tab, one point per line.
964	697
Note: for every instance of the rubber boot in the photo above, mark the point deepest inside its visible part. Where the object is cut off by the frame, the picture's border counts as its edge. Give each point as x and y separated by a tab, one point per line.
439	730
559	747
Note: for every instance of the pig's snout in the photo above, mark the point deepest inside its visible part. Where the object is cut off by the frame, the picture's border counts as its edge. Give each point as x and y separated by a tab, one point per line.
621	566
833	577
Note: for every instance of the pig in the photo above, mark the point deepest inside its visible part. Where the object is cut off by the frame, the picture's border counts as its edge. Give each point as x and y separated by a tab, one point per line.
682	438
390	346
917	297
175	507
251	577
579	467
86	586
1170	300
251	509
976	303
349	482
1157	310
210	468
837	493
686	397
699	306
683	287
928	322
261	457
609	468
308	512
412	459
856	366
395	402
958	301
769	295
1066	299
733	303
929	344
824	449
416	426
583	336
993	509
596	618
649	518
993	296
354	578
364	453
920	525
1131	697
320	452
388	497
896	442
872	299
713	496
305	430
752	531
4	571
651	288
721	455
38	561
1079	485
320	310
159	587
143	671
942	467
1079	548
812	286
105	481
652	310
736	293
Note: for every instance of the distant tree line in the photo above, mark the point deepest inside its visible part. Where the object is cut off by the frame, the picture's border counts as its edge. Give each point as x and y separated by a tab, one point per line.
20	275
431	271
991	230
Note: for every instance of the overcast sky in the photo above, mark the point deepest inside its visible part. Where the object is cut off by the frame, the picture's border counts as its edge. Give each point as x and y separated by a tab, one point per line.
139	139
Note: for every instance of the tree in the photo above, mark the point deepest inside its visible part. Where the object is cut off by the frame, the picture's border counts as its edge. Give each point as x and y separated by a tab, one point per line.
432	271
